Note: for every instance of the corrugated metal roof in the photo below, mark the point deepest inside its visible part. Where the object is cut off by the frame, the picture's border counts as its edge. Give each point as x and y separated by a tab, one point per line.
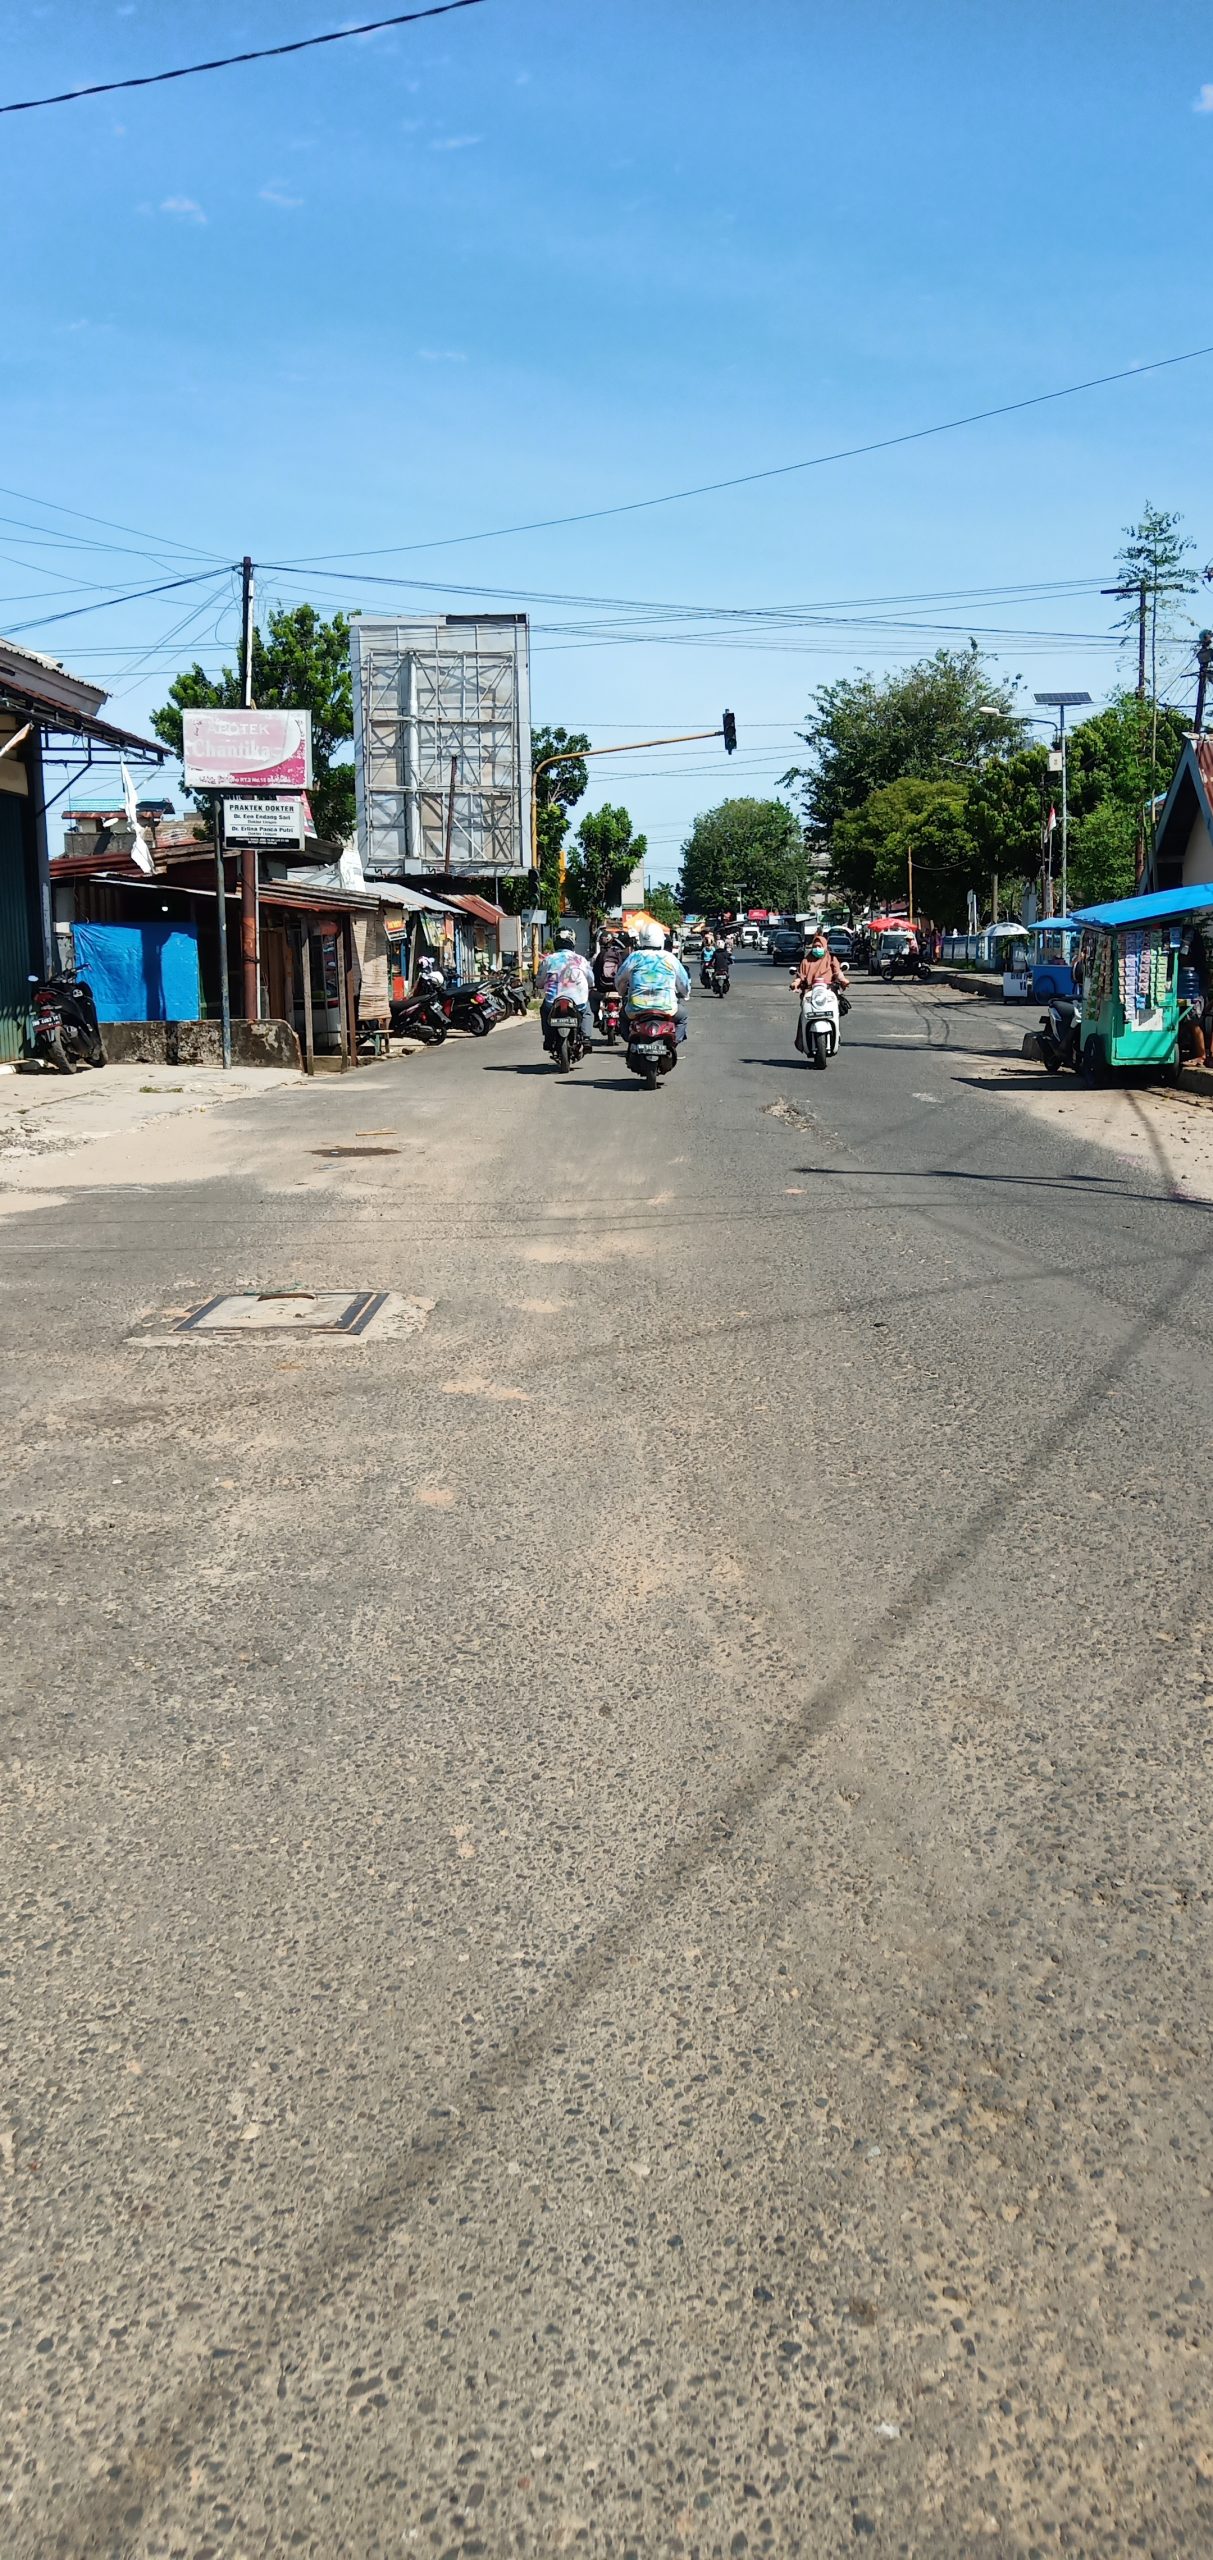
481	907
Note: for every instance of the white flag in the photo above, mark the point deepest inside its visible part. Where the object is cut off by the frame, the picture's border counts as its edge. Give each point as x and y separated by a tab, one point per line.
139	849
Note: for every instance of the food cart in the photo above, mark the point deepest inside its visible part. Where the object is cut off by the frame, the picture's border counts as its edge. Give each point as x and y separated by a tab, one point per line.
1128	960
1053	943
1008	946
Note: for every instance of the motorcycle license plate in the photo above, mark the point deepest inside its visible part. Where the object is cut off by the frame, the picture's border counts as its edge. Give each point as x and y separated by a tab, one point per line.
49	1021
649	1048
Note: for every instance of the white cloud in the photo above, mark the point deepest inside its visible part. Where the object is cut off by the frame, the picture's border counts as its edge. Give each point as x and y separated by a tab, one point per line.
1203	105
456	142
442	355
184	207
279	196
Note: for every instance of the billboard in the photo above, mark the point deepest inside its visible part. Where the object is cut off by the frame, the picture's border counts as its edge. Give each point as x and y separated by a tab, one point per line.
247	750
442	743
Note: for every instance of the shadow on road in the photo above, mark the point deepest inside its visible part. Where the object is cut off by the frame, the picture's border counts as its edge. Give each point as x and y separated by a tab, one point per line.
1100	1186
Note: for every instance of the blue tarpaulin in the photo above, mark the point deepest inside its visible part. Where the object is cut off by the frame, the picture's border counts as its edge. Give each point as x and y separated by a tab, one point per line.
141	972
1162	906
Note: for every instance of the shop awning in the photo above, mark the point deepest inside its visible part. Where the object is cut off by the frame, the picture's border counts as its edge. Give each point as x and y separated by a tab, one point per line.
481	908
1165	906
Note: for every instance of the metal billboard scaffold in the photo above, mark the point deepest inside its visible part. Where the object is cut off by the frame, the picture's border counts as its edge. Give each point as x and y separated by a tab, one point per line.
442	743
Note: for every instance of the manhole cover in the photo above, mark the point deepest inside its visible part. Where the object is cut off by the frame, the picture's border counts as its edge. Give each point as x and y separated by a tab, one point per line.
355	1151
287	1311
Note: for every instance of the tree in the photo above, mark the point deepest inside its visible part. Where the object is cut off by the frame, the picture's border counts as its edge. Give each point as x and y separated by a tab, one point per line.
925	823
1006	804
1116	765
663	905
745	853
928	721
556	792
609	854
300	663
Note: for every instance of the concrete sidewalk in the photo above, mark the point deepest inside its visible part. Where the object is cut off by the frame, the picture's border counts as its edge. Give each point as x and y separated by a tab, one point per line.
44	1114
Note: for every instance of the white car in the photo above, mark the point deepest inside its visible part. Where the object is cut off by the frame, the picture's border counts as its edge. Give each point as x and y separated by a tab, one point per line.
749	938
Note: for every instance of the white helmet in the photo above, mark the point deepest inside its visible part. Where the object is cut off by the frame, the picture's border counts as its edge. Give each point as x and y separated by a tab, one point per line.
650	937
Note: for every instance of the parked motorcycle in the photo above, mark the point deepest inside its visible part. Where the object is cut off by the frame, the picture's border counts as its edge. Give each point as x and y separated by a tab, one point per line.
421	1016
65	1026
819	1025
565	1040
608	1015
473	1007
1059	1039
510	994
652	1046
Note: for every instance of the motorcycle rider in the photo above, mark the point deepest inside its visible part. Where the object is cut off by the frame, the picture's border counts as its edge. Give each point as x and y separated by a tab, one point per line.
565	972
819	968
653	981
608	960
722	956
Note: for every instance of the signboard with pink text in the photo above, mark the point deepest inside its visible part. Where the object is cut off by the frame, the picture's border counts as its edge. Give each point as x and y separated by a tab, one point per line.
247	750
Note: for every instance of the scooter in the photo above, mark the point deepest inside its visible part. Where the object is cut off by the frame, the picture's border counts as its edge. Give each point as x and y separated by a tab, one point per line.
565	1040
510	994
473	1007
1059	1039
65	1027
652	1046
421	1016
819	1025
719	981
608	1015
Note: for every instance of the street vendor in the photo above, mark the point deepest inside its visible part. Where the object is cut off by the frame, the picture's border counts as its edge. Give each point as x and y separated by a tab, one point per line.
1193	990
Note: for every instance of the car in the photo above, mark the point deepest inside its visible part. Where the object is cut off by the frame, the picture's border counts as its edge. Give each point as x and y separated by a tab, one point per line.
692	948
786	944
749	938
840	941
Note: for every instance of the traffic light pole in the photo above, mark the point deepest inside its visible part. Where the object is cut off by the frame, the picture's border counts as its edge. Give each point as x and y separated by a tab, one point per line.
581	755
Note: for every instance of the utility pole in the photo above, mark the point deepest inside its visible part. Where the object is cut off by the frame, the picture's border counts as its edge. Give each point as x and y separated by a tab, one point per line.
1061	703
1204	652
1141	589
250	968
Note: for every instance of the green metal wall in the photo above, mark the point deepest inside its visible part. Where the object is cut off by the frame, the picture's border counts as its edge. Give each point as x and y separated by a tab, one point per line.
15	961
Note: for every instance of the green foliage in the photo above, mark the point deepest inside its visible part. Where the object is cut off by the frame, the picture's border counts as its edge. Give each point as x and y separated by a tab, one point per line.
662	903
300	663
609	852
746	853
556	792
1005	804
927	821
925	722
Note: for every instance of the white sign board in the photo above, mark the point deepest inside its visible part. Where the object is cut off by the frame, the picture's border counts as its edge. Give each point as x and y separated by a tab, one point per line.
276	821
442	744
247	750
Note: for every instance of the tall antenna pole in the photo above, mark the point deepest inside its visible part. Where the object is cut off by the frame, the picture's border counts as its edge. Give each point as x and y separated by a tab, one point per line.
249	920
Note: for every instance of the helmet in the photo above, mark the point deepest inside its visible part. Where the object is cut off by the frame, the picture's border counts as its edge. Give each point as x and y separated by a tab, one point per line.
566	940
650	937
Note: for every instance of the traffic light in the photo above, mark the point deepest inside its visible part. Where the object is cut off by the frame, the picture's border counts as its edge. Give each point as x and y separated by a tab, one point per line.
729	733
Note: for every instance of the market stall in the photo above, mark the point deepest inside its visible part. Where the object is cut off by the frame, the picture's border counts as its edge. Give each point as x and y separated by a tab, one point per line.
1128	963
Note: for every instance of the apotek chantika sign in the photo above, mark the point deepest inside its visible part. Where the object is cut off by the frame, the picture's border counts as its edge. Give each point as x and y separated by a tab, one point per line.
247	750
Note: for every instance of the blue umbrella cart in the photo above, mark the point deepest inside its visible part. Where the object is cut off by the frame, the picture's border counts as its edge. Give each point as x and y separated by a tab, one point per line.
1129	964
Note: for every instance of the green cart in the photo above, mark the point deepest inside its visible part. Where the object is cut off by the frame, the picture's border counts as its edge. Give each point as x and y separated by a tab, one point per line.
1128	961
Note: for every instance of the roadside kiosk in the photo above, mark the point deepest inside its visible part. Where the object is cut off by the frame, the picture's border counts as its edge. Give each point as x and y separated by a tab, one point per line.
1053	943
1128	960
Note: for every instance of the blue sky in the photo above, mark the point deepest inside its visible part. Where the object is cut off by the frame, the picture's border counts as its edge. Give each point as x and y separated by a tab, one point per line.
534	259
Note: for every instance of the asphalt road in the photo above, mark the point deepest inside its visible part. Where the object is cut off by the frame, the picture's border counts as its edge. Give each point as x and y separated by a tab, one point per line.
605	1906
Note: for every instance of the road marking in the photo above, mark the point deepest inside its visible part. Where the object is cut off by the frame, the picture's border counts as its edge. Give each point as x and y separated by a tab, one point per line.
924	1097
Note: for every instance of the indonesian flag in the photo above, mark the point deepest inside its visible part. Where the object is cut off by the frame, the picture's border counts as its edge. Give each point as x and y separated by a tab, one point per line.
1050	821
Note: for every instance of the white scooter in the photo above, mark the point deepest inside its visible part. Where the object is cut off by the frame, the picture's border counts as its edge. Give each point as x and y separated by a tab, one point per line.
819	1025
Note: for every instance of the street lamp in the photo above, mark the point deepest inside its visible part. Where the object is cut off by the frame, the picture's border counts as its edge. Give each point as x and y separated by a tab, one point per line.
1061	703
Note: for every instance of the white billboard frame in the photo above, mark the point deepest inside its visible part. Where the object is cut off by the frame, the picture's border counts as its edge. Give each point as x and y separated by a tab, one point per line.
434	691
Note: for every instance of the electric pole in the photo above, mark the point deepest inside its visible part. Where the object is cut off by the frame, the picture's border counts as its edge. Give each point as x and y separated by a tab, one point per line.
1140	589
250	969
1203	654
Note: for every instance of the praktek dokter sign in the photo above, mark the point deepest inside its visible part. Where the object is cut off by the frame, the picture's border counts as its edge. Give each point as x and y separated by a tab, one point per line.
247	750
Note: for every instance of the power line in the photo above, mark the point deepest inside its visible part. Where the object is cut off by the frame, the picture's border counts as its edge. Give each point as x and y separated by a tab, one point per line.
227	61
41	621
782	470
53	506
